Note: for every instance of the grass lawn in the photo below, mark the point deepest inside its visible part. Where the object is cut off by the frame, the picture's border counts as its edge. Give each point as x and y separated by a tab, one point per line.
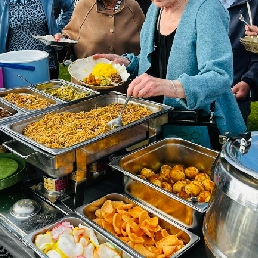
252	119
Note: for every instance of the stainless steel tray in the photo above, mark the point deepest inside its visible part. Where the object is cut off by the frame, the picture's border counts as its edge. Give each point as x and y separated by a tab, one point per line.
169	151
34	92
75	221
87	212
13	110
60	162
59	83
15	129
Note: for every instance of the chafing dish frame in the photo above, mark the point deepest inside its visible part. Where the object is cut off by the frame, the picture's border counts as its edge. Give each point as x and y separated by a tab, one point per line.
95	148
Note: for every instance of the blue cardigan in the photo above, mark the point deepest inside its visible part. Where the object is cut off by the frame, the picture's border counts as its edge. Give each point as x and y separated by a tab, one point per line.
200	58
67	7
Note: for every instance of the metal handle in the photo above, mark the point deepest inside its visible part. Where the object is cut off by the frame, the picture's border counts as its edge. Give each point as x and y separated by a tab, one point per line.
5	144
126	101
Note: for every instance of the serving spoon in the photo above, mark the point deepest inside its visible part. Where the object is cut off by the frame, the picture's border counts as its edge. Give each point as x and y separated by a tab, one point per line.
241	18
117	122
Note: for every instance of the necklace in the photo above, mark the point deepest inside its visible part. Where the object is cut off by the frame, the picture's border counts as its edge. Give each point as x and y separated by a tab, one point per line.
107	8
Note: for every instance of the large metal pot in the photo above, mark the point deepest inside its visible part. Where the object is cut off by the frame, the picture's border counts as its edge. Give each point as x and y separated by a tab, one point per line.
230	224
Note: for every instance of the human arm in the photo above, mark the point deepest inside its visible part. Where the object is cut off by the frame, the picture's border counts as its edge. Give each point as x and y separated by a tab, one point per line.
145	86
65	9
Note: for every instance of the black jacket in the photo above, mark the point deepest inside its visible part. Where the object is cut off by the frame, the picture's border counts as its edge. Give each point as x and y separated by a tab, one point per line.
245	63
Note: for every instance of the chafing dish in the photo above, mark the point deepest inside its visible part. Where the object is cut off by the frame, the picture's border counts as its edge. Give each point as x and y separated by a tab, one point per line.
56	84
59	162
87	212
169	151
75	221
29	91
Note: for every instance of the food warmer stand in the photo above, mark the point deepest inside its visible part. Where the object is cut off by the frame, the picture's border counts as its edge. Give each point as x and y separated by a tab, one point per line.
65	169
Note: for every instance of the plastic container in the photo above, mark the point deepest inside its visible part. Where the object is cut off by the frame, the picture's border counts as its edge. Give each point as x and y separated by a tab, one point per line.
36	58
1	78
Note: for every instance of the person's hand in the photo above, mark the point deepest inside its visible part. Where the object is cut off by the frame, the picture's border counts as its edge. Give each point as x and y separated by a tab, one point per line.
241	90
113	57
145	86
251	30
58	36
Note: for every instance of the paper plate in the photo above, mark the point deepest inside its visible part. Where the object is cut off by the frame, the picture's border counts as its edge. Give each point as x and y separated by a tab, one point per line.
81	68
49	40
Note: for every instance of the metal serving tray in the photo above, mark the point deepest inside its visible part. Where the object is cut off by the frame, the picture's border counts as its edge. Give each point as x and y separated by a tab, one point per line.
169	151
15	129
87	212
13	110
59	162
75	221
59	83
30	91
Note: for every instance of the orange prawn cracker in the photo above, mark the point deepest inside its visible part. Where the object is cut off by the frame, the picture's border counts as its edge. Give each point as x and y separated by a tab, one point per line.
137	228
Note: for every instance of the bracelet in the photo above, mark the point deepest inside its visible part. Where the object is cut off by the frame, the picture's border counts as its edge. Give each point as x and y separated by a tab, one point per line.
174	87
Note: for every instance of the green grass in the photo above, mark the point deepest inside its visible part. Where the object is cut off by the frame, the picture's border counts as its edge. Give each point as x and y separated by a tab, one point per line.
63	73
252	119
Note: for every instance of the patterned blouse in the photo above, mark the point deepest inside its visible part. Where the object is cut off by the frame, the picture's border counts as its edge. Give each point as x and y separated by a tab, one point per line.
27	18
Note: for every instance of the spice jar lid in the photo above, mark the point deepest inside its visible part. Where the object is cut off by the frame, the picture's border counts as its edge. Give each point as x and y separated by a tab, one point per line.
242	152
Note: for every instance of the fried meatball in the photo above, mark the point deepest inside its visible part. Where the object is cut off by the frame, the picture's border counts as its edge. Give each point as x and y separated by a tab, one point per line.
155	179
179	186
165	172
201	177
184	195
204	196
179	167
191	172
192	189
208	185
147	172
166	186
177	175
199	183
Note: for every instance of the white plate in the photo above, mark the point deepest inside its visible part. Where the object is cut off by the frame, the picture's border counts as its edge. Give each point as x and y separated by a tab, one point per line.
81	68
50	40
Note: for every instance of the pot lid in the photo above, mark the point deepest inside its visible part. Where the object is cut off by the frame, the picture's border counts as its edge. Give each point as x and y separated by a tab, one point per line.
241	151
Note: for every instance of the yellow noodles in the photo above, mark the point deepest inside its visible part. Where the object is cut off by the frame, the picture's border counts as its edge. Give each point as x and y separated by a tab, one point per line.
62	130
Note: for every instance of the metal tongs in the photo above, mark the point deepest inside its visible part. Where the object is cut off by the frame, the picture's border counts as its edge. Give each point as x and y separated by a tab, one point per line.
117	122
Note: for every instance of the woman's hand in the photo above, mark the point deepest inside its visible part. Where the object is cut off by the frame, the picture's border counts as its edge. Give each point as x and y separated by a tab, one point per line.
58	36
113	57
251	30
145	86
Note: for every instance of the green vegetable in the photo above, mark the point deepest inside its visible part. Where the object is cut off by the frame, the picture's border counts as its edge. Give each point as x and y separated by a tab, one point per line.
7	167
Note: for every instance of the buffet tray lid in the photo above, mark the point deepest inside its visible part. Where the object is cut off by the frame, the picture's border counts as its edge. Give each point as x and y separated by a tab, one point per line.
241	152
101	100
155	146
193	239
